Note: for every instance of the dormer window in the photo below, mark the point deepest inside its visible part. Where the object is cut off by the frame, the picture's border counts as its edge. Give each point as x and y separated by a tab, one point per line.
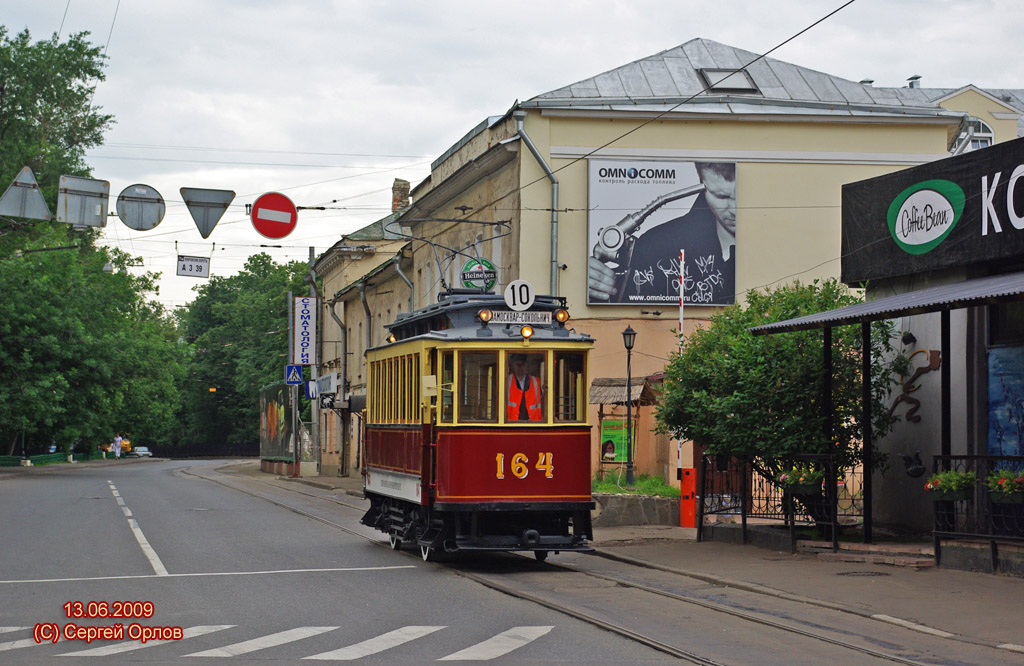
728	81
979	131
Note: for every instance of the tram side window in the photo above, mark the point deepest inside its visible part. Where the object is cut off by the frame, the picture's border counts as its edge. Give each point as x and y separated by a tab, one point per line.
478	386
526	387
570	385
447	378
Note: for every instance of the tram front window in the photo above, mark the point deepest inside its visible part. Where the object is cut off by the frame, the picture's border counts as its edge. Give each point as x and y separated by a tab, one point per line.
525	389
570	386
478	386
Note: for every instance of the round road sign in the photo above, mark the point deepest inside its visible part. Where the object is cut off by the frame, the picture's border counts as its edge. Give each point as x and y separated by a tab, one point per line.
140	207
519	295
274	215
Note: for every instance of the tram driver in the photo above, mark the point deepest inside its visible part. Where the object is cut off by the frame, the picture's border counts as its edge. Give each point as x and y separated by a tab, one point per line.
525	397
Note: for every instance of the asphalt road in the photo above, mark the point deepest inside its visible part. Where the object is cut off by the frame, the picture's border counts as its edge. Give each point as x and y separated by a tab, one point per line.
239	577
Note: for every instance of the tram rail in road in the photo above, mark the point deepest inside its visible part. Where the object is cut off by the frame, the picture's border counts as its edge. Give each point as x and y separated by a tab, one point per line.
786	619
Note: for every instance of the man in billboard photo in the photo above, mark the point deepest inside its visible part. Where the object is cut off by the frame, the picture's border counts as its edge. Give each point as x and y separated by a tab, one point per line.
649	273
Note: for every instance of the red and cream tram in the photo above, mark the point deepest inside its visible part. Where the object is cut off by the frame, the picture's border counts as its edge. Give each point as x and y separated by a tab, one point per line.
476	428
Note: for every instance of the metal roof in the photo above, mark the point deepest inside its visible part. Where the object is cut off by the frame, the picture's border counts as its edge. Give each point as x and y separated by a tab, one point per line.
978	291
665	79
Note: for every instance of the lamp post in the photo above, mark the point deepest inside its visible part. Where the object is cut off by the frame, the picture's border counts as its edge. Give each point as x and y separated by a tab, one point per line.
628	338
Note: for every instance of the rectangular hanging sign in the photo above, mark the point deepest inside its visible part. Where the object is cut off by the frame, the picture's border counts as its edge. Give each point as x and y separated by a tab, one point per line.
304	331
198	267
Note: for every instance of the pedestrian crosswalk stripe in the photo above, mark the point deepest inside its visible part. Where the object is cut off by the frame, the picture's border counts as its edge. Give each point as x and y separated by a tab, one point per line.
378	644
263	642
16	645
499	645
129	646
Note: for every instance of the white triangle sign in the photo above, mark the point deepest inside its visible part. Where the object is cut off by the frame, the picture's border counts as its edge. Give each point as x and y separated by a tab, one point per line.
23	198
206	206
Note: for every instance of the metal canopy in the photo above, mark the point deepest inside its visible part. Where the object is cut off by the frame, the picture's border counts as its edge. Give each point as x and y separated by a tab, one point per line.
978	291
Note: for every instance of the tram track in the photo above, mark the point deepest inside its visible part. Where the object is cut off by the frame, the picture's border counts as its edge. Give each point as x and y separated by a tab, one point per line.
578	613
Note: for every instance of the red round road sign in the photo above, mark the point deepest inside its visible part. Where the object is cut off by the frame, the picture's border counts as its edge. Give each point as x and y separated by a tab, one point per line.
274	215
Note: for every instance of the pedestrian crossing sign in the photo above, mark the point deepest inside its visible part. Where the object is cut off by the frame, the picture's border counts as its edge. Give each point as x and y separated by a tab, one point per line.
293	374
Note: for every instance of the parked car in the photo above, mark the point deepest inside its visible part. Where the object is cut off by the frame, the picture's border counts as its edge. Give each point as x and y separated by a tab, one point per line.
141	452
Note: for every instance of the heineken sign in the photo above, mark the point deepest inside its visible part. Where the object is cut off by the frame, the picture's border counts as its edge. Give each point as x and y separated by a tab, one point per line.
479	274
951	213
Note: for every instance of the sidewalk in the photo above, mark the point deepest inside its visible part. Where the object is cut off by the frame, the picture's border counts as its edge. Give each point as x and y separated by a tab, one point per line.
977	607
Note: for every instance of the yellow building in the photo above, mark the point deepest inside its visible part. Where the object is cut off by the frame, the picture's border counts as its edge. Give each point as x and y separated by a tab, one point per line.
566	182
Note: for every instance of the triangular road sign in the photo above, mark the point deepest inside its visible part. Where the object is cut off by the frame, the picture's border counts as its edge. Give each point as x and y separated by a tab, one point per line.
206	206
23	198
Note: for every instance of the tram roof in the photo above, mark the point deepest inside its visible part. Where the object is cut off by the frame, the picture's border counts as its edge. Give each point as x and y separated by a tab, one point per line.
454	318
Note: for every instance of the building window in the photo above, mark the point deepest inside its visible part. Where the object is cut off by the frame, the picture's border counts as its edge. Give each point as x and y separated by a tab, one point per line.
981	135
728	81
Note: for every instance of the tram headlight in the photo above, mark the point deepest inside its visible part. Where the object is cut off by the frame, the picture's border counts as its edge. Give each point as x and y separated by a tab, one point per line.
526	332
485	315
562	316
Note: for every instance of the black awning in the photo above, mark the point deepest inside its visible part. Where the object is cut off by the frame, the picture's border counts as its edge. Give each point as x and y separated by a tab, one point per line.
978	291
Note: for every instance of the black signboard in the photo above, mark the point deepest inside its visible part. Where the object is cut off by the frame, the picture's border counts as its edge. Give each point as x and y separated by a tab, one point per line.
954	212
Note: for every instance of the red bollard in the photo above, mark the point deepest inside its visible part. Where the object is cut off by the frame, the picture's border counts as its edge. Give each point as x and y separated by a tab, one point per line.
688	498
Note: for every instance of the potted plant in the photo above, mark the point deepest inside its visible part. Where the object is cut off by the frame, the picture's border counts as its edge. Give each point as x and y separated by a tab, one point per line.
800	480
951	485
1006	486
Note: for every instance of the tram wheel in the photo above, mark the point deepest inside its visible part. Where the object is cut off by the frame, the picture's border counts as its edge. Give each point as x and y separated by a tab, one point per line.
427	553
541	555
396	543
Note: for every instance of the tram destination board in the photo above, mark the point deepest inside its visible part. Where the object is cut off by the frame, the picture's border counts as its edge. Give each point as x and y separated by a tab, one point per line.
524	317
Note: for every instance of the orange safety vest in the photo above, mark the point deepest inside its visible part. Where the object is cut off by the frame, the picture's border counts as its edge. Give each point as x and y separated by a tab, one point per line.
516	396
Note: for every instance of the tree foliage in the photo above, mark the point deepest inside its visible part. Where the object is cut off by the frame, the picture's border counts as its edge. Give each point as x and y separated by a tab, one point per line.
237	327
760	398
47	119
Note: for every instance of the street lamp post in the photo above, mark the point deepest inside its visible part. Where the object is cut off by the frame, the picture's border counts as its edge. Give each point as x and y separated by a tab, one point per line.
628	338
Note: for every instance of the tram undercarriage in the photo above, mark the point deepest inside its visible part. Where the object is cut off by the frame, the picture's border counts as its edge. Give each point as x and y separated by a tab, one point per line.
535	527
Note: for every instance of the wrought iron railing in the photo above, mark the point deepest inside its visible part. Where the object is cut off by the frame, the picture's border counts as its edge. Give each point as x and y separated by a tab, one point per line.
978	513
749	489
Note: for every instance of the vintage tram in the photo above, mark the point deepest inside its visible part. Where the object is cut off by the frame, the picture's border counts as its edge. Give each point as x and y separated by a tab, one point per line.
476	428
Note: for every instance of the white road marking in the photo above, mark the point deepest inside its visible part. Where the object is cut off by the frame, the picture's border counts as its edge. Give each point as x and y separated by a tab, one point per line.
129	646
263	642
5	630
154	560
912	625
274	215
209	573
1012	647
15	645
499	645
378	644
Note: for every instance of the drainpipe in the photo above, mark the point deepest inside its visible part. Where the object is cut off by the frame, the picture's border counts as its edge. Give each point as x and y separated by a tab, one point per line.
520	116
369	317
344	362
398	269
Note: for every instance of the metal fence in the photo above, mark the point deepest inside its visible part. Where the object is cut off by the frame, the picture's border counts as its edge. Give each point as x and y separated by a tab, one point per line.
733	486
978	514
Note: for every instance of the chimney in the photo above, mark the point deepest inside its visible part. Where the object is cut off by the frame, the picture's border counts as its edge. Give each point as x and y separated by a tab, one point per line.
399	194
914	81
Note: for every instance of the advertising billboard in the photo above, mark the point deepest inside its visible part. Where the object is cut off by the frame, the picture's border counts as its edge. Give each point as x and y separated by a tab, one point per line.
642	213
953	212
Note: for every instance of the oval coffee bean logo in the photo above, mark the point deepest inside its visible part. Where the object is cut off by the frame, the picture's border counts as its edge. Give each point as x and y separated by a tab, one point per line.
923	215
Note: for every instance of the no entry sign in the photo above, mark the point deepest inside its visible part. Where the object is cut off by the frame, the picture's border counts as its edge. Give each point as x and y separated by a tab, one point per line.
274	215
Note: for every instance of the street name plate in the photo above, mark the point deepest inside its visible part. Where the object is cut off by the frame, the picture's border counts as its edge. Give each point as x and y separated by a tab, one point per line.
525	317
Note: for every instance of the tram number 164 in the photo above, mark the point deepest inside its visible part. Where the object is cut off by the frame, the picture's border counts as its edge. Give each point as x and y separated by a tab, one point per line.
521	465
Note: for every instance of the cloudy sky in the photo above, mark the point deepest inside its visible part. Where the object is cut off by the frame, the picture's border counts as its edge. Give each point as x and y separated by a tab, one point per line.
330	101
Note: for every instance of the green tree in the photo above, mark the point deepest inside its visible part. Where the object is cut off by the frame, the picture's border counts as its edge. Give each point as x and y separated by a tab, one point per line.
237	327
47	119
760	398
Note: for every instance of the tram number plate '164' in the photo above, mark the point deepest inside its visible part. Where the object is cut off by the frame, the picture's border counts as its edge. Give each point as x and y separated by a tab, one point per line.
526	317
520	466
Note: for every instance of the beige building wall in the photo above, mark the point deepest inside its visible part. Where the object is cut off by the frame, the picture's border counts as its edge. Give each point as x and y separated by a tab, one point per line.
983	106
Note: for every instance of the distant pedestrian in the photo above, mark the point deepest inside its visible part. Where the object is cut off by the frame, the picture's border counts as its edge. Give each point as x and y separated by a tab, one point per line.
117	445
